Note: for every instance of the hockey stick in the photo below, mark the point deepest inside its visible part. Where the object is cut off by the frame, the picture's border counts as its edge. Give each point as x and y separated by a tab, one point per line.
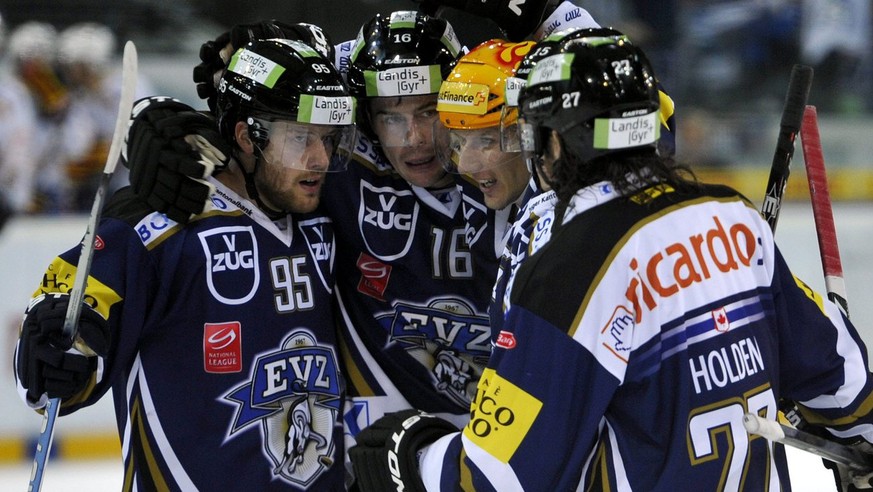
822	211
830	450
83	268
789	126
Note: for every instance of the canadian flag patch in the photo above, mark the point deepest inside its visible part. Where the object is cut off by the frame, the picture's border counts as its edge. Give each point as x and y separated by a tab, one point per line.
720	318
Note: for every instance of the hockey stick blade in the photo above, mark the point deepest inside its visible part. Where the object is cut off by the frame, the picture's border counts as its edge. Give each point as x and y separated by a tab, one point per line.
822	211
825	448
789	126
83	267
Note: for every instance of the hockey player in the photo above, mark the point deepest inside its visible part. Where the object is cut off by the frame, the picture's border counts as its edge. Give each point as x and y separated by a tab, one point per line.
217	339
476	135
481	140
416	255
656	316
416	265
477	108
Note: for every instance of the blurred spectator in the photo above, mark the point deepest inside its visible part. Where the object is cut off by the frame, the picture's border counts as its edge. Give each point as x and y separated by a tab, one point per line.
36	111
17	119
835	41
84	52
739	50
90	68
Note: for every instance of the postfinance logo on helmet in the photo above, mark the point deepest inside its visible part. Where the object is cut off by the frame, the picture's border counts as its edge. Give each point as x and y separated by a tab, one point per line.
475	92
476	103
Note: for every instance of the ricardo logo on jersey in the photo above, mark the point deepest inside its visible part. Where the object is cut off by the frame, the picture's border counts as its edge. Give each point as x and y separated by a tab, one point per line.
374	276
718	251
222	347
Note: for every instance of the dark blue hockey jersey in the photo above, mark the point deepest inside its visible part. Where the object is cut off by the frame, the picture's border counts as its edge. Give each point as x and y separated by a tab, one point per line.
636	340
415	269
224	366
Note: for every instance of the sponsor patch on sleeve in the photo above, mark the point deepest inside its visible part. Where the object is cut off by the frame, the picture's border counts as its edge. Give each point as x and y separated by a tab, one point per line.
500	416
812	294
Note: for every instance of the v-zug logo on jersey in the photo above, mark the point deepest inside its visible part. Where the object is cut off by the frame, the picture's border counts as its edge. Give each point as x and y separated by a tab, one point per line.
294	394
387	219
475	219
319	236
448	337
232	272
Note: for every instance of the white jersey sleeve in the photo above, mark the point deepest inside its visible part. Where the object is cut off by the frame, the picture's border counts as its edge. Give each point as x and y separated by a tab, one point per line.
566	16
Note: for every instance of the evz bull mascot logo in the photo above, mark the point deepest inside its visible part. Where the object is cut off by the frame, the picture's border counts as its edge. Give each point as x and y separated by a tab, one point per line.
294	393
448	337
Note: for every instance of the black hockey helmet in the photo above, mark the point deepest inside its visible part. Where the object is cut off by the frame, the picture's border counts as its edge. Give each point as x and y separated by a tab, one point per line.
276	79
402	46
280	79
596	89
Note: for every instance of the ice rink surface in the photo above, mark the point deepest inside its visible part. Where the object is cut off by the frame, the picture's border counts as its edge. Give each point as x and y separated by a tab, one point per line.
807	475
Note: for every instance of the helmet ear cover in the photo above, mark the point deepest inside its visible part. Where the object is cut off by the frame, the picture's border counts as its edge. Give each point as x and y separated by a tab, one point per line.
259	135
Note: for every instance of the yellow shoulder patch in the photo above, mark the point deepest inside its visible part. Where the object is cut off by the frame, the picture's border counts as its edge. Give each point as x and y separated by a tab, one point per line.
59	277
652	192
500	416
813	295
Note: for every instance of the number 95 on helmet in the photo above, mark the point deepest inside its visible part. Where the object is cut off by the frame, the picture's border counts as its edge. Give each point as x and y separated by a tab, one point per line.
295	103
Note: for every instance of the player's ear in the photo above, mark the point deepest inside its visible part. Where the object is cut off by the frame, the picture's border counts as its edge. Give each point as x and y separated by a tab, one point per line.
241	135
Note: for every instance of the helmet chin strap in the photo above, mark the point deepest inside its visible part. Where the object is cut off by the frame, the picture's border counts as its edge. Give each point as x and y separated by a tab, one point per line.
252	190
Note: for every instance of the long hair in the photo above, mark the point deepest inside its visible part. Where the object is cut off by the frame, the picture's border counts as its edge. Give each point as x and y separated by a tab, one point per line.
624	170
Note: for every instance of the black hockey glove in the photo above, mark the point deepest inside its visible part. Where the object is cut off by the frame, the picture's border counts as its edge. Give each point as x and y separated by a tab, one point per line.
386	454
170	150
216	54
517	20
47	362
846	478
